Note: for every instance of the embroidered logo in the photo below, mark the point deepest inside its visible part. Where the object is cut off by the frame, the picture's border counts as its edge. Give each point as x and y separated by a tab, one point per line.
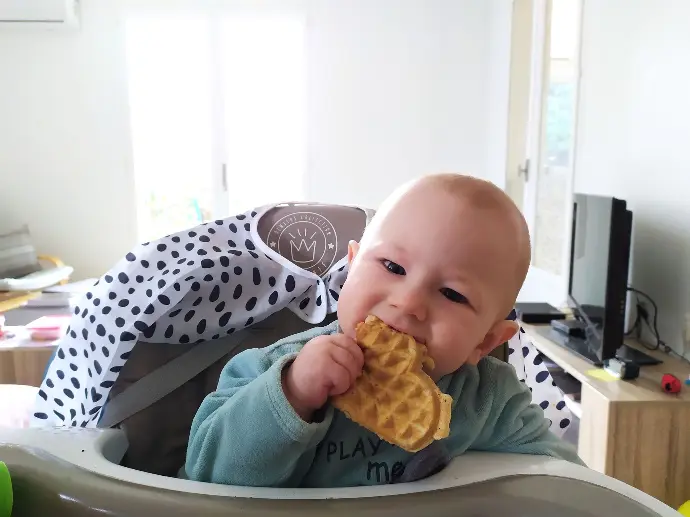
307	239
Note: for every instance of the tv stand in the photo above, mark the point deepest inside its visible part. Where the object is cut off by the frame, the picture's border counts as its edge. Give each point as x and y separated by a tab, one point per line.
574	344
630	430
571	333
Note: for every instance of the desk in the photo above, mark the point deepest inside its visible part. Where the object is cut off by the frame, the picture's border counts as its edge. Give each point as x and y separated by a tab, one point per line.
632	430
23	361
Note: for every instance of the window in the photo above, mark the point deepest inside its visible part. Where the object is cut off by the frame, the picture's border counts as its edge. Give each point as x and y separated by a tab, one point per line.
544	76
558	139
264	93
218	115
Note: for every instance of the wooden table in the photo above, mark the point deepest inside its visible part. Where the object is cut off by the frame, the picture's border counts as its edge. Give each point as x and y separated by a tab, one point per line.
23	361
632	430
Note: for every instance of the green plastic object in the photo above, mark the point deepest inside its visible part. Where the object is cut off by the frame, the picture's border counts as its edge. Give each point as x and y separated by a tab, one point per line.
6	497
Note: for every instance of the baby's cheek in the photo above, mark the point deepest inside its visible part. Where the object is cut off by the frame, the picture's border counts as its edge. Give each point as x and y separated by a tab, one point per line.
351	310
447	356
463	344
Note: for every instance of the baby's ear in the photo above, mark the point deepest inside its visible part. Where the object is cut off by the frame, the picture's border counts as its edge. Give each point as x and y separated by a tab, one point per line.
501	332
352	250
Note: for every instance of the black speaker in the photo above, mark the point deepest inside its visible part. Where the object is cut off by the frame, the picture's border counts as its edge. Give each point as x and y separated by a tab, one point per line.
538	313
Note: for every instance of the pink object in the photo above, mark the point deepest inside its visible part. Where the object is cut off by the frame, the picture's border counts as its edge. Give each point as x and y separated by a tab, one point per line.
48	328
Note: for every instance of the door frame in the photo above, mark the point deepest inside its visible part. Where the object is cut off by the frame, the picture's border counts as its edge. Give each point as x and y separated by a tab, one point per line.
542	285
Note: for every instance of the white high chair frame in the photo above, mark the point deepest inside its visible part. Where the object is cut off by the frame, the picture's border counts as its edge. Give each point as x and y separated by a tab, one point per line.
471	482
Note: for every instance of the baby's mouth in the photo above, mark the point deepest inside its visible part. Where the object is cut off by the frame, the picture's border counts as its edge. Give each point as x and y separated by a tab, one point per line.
418	339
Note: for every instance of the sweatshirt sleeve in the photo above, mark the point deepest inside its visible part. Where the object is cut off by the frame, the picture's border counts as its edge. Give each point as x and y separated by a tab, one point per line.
499	409
246	432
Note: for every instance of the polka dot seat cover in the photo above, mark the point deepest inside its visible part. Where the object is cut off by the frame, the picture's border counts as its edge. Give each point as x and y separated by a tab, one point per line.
194	286
530	368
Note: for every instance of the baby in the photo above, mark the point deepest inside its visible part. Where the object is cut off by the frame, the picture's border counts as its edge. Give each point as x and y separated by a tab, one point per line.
443	260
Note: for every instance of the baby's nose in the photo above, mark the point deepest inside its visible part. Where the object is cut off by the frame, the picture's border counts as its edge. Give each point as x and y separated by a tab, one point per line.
412	302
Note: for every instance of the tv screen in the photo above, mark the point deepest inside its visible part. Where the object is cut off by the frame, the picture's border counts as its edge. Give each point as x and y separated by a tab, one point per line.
600	257
590	255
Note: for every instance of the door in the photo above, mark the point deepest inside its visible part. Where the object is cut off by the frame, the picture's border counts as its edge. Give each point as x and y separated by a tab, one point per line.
542	121
261	57
170	78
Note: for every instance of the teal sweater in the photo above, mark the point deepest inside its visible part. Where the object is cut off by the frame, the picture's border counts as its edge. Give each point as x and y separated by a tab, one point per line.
246	432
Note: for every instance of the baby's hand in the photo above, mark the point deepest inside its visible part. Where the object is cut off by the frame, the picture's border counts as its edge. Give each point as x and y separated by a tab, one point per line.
326	366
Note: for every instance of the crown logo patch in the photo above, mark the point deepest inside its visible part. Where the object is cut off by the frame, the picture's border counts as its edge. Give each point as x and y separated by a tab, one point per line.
306	239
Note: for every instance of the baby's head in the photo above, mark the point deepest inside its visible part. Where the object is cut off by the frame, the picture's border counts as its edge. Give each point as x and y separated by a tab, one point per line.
443	260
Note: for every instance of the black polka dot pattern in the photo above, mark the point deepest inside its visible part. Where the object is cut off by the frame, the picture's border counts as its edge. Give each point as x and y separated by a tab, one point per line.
530	368
542	376
188	287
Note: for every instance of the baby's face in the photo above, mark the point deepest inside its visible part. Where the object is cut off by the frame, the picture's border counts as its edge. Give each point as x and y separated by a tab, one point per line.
437	269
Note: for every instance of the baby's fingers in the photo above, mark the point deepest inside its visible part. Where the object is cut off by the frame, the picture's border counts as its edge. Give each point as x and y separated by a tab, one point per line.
340	378
352	348
344	358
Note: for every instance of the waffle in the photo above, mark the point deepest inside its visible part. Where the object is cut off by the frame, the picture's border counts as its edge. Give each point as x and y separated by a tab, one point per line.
393	397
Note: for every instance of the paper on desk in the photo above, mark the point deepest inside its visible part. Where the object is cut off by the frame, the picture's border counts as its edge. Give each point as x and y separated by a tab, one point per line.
66	295
54	300
601	374
79	287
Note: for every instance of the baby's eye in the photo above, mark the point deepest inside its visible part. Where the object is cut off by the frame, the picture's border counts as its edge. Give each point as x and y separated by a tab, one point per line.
394	268
454	296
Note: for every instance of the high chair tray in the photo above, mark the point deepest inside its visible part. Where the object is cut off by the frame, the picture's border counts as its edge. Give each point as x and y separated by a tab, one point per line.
74	472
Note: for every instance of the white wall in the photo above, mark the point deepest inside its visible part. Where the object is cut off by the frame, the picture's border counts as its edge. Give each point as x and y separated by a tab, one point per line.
633	137
397	88
64	145
498	36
